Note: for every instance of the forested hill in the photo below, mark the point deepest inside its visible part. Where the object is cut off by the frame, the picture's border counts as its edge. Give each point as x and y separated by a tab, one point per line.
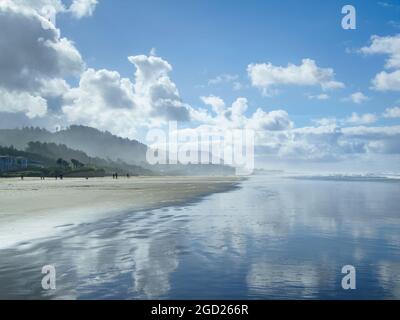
86	143
52	159
93	142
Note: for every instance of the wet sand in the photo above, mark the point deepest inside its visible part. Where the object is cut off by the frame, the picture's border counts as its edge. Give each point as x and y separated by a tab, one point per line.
32	208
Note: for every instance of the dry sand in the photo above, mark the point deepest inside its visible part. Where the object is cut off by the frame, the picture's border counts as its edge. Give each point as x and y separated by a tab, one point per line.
32	208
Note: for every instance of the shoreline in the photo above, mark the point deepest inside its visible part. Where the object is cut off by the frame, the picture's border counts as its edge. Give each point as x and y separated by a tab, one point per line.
33	209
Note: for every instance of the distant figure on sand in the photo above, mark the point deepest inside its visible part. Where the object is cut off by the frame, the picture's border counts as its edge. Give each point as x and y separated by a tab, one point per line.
128	176
22	177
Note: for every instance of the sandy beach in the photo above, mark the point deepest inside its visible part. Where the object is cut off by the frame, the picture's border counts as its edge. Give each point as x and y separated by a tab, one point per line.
32	208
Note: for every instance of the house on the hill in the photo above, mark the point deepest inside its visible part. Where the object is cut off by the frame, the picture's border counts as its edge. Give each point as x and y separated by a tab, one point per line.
9	163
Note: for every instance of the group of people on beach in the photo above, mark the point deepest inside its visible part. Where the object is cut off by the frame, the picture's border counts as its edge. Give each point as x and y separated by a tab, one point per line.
61	177
115	175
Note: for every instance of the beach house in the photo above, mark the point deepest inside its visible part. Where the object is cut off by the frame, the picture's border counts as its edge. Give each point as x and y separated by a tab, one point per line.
8	163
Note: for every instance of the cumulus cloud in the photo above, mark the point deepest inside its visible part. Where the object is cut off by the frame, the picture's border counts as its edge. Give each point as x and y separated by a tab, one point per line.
106	100
358	98
35	77
389	45
392	112
367	118
35	5
98	92
42	53
275	120
77	8
217	104
332	143
34	59
268	77
387	81
325	121
155	91
234	117
383	140
330	139
14	102
83	8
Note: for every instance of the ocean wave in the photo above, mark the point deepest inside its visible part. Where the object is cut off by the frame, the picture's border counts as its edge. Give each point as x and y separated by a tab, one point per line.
367	177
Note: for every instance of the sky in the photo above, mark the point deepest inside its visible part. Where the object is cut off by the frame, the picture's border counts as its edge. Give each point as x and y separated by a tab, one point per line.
315	93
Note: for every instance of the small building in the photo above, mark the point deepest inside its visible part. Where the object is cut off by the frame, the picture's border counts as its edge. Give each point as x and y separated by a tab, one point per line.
9	163
36	164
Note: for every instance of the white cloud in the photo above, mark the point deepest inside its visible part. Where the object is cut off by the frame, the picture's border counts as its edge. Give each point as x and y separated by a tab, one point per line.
42	53
34	5
325	121
14	102
78	8
155	91
83	8
34	58
226	79
385	81
267	76
358	98
331	142
107	101
30	79
234	117
275	120
55	87
392	112
217	104
103	100
322	96
223	78
389	45
383	140
367	118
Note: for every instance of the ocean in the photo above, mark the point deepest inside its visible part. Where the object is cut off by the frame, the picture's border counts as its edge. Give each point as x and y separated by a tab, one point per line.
273	237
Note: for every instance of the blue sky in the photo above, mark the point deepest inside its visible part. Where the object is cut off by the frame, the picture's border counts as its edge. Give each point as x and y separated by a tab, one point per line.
312	91
205	39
